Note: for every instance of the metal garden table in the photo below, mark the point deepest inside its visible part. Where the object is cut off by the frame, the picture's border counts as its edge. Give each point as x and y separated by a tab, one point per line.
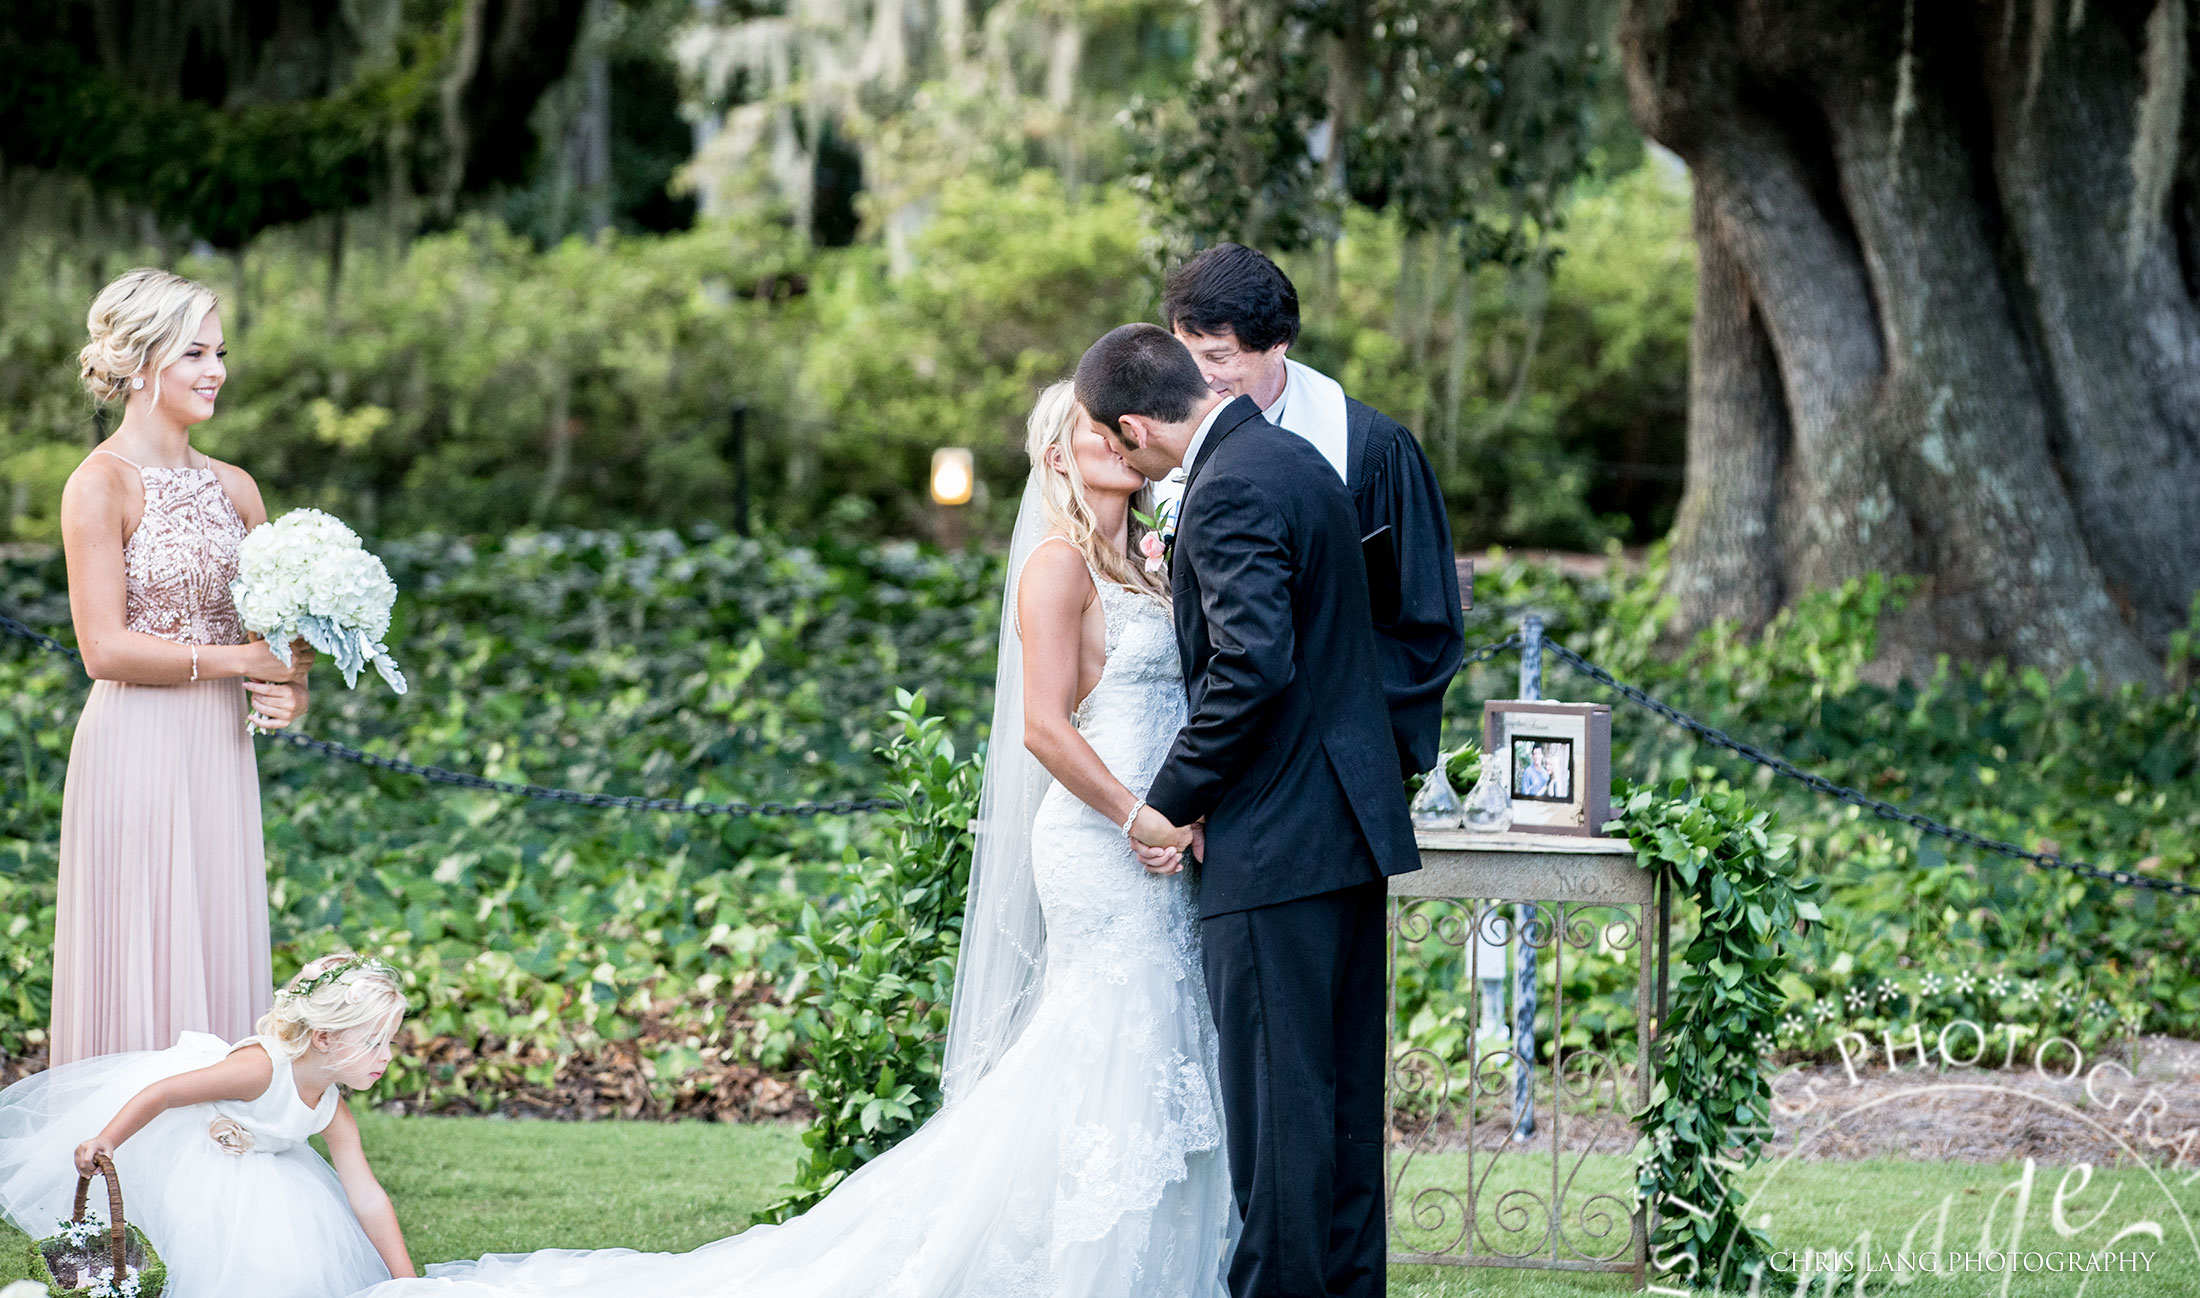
1473	1178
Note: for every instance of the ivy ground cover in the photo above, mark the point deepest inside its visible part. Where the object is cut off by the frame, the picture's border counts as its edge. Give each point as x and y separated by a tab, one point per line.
660	952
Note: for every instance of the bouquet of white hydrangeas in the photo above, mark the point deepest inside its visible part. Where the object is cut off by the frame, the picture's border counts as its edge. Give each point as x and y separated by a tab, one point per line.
306	577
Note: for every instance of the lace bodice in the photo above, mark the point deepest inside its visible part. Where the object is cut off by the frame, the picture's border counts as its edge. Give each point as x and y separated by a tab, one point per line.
1100	905
1141	656
179	562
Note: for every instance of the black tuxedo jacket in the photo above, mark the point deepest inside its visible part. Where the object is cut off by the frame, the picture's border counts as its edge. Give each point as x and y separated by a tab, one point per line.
1288	752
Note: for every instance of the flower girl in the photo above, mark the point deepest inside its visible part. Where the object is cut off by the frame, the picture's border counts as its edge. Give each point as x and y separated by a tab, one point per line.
209	1140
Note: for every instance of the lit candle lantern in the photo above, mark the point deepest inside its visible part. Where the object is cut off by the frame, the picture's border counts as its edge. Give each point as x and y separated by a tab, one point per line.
953	475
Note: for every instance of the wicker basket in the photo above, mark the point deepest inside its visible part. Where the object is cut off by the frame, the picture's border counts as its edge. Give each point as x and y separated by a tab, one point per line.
71	1270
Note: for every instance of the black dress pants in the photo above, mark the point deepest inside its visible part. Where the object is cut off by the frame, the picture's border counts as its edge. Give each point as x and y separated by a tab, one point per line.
1298	998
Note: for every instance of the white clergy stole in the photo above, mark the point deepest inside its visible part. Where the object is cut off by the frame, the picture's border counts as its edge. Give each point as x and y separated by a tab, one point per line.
1312	405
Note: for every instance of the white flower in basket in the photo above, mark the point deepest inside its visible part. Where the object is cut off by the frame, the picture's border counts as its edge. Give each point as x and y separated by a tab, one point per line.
81	1233
305	576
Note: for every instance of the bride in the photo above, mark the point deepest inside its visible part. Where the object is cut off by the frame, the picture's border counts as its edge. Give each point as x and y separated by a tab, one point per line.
1079	1152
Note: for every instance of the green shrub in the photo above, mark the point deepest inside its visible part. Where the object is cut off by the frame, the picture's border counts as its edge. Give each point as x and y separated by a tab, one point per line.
470	381
876	975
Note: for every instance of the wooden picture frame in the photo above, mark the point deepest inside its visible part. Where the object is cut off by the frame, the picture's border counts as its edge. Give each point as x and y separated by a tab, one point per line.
1556	759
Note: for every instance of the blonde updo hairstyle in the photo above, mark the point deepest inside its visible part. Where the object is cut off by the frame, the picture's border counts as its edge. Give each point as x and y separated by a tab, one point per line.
1054	424
328	996
141	324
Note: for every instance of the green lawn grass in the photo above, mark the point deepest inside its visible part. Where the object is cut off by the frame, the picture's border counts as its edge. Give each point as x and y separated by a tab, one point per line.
467	1186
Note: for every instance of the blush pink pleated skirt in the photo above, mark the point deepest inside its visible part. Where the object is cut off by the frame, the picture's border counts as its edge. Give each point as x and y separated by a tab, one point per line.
161	924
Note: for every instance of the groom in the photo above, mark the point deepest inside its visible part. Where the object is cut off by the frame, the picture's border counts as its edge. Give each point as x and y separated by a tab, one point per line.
1288	757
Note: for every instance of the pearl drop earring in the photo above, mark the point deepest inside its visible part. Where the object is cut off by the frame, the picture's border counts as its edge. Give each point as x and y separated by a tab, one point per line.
138	384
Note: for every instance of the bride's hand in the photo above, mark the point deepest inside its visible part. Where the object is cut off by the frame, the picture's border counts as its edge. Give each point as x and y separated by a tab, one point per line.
1158	843
1155	830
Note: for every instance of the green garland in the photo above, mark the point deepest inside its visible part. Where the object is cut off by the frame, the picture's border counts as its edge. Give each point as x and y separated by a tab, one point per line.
1710	1104
876	976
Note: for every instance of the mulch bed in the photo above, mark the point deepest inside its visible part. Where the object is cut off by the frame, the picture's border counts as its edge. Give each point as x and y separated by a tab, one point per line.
1996	1115
612	1081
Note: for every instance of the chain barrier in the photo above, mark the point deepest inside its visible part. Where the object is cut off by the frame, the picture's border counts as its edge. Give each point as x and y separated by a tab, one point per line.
1491	650
1855	797
575	797
39	638
850	806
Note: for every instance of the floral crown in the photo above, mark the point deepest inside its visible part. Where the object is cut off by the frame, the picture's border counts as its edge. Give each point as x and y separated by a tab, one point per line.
335	974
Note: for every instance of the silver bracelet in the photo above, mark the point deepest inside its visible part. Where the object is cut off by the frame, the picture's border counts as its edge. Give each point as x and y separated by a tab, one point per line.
194	662
1132	819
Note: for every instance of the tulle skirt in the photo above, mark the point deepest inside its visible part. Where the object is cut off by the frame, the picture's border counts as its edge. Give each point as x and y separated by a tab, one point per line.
161	923
1088	1164
260	1224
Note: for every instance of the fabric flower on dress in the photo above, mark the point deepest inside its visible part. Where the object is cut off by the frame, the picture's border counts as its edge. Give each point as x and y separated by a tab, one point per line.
232	1138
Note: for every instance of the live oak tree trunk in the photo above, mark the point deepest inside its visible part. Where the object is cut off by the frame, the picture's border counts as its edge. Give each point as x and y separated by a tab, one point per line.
1946	320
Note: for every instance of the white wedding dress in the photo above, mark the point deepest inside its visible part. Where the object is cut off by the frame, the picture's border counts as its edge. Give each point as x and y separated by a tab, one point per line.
1087	1162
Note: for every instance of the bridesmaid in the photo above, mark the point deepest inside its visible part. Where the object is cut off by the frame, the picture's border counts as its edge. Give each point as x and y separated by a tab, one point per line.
162	924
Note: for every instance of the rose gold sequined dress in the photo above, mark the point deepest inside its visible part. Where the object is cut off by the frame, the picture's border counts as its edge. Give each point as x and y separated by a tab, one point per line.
162	917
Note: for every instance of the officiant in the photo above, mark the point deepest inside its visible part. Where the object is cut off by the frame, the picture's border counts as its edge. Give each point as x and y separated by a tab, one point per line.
1239	314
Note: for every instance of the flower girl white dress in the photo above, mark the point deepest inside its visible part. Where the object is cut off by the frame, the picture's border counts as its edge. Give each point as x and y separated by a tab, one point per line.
1087	1163
229	1193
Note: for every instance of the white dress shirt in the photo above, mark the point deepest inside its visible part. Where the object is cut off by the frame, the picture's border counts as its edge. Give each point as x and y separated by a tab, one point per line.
1199	439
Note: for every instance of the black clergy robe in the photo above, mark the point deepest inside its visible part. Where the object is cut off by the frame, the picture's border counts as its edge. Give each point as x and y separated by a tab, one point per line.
1393	485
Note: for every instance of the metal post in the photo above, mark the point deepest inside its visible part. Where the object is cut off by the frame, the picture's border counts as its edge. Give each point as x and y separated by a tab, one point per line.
1531	687
1665	934
737	452
1531	657
1523	1041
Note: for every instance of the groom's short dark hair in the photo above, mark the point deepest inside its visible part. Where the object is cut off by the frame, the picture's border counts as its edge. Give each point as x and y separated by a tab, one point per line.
1138	369
1235	288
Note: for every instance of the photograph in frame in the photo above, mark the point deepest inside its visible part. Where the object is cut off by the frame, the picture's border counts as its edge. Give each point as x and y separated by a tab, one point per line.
1555	760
